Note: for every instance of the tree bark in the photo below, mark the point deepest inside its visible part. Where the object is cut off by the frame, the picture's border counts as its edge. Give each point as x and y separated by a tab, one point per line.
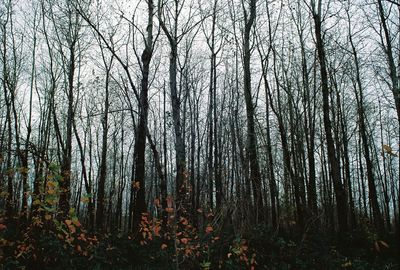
341	198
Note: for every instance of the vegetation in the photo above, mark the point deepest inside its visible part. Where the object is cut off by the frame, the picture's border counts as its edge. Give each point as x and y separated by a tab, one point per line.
198	134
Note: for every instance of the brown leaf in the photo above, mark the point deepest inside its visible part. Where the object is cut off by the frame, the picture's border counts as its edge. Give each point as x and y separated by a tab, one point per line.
387	148
209	229
169	201
136	185
377	248
384	244
157	202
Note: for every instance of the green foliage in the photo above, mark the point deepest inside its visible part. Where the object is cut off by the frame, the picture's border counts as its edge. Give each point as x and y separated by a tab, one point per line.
318	250
53	244
48	242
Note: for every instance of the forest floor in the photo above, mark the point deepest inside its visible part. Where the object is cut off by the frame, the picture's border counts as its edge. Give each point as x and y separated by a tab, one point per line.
46	243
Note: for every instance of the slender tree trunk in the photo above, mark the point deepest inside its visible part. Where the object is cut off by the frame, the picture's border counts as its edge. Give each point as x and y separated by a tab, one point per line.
395	83
251	146
180	151
341	198
372	194
104	148
141	132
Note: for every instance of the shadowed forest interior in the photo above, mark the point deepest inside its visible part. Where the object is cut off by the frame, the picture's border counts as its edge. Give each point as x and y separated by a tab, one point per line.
199	134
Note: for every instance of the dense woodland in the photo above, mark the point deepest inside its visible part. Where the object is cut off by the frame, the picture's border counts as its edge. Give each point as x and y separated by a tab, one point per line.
189	134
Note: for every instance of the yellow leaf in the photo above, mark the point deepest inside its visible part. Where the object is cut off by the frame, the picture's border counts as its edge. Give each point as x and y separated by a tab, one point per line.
163	246
387	148
51	184
68	222
47	217
36	202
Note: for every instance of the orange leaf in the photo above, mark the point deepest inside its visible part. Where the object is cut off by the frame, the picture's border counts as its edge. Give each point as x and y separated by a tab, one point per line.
2	227
209	229
47	217
136	185
51	192
72	228
184	221
169	209
68	222
188	251
76	222
184	241
157	230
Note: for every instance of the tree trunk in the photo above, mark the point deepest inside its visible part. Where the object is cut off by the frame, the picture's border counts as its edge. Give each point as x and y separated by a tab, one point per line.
255	176
341	198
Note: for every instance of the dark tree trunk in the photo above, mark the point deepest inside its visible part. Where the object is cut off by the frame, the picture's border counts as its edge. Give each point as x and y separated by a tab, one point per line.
373	198
180	151
255	175
141	132
341	198
104	148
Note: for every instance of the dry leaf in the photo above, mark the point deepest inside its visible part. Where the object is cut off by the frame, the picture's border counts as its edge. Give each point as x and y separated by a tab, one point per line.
209	229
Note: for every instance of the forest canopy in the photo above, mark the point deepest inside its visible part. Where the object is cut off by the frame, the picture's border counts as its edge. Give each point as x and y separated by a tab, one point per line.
199	134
